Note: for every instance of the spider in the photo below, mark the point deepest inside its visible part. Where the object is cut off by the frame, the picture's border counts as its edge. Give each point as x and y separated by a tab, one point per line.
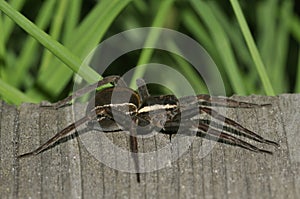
139	113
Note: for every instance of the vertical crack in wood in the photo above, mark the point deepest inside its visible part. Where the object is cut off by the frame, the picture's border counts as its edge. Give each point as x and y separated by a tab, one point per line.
16	140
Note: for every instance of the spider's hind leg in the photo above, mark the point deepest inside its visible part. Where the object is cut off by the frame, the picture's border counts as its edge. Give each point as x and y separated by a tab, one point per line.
207	100
242	130
206	131
221	136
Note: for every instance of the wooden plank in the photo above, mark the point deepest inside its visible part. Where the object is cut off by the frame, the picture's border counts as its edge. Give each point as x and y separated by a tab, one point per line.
8	167
70	169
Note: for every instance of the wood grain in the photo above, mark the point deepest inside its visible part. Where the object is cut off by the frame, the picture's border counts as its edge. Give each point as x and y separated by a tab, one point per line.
69	170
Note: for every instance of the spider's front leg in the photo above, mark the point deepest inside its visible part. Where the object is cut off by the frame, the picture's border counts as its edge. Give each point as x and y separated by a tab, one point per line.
90	116
114	79
69	129
63	133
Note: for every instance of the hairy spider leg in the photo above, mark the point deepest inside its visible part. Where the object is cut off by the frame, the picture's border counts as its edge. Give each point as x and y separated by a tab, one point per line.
128	123
63	133
213	134
246	132
188	113
134	150
114	79
208	100
68	130
227	138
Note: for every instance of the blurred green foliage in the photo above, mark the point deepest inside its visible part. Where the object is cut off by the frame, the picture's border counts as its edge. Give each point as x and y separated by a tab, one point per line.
254	44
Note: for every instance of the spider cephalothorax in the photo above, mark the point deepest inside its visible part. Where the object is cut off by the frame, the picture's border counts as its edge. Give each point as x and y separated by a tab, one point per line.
120	108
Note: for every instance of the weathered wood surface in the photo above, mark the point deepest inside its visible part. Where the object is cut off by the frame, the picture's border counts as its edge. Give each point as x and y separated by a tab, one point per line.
68	170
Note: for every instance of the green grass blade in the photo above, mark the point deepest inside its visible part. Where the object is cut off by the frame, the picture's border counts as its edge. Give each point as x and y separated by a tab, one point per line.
9	24
252	48
12	95
295	27
141	6
85	34
22	65
194	26
84	39
266	23
2	50
72	19
297	86
232	31
200	33
188	71
146	53
281	48
221	41
274	34
6	28
55	47
239	46
55	31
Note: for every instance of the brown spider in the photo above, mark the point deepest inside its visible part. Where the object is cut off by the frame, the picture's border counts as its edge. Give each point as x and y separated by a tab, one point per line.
140	113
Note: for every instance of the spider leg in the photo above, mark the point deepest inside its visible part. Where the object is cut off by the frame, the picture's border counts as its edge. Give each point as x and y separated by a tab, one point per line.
188	113
110	79
244	131
213	134
134	150
227	138
63	133
130	125
142	89
219	101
